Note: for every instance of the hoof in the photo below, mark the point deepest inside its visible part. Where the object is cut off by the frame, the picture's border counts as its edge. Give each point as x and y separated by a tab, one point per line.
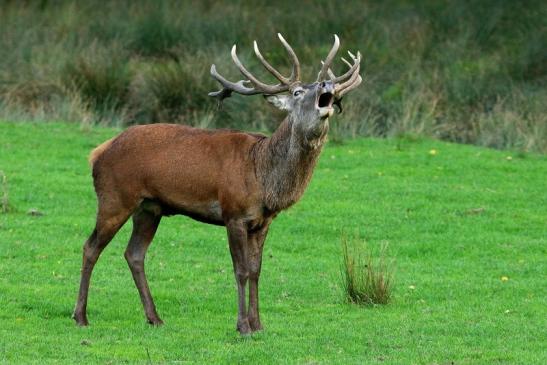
255	325
244	328
257	328
156	322
80	320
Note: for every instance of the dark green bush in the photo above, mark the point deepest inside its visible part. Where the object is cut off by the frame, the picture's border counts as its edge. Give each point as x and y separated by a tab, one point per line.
102	80
154	35
176	91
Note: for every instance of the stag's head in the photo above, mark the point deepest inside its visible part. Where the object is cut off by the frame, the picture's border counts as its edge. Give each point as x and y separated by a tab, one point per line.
309	105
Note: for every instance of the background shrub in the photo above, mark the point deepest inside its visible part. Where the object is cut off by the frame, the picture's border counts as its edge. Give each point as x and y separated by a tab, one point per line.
175	91
101	77
472	72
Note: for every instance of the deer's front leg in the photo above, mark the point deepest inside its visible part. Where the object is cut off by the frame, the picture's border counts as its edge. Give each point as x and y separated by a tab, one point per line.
237	238
256	245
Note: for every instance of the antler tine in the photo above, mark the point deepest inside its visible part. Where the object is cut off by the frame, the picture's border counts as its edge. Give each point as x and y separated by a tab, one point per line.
352	68
229	86
330	73
258	85
295	74
324	70
346	62
349	72
356	83
348	85
269	67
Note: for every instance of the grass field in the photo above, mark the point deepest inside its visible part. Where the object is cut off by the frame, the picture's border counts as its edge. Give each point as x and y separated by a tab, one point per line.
465	225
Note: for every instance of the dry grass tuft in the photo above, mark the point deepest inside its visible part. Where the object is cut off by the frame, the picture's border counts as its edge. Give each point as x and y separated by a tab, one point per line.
366	279
4	202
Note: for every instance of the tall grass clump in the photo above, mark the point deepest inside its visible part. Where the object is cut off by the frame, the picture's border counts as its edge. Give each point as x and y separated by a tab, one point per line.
367	279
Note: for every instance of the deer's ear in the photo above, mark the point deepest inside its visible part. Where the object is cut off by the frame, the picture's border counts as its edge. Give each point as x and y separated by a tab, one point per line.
279	101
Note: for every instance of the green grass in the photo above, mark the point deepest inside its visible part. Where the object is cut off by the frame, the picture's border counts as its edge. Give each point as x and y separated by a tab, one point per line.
456	221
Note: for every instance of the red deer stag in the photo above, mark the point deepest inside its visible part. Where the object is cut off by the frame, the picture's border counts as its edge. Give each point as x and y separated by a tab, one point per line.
229	178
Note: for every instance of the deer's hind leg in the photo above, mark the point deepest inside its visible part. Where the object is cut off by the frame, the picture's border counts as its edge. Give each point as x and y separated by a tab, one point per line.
110	218
145	223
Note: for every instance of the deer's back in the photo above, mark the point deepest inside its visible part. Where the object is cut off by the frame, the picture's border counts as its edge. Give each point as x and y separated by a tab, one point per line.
185	168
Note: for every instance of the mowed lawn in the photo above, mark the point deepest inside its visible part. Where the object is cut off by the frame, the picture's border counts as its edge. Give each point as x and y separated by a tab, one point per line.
466	226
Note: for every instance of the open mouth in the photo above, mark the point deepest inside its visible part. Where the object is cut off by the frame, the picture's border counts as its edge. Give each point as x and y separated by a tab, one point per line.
325	100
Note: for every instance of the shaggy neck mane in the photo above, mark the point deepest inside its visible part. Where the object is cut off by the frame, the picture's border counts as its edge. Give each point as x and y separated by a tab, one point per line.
284	166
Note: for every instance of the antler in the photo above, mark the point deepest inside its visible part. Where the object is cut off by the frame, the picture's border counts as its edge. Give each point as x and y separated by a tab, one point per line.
330	57
349	80
343	83
258	87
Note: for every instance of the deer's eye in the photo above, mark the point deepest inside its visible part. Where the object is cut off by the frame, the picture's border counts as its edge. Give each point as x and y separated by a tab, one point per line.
298	92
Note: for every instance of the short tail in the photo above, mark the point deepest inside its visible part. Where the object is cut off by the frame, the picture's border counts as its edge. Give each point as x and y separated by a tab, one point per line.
97	151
